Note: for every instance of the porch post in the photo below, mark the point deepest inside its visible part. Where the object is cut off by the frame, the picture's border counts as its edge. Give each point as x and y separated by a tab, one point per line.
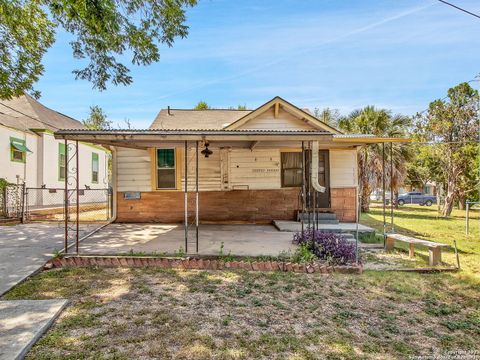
309	182
77	163
186	197
196	196
65	250
391	187
383	194
303	188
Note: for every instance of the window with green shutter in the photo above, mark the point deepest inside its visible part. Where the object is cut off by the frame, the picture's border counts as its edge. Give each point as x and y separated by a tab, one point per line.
61	162
18	150
95	168
166	173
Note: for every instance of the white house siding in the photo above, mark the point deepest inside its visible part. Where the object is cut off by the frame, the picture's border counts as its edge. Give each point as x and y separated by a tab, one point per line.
343	168
133	170
254	170
42	167
227	169
16	171
284	121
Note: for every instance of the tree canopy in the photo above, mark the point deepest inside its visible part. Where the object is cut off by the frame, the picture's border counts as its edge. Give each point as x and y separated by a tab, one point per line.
97	119
380	122
452	126
105	33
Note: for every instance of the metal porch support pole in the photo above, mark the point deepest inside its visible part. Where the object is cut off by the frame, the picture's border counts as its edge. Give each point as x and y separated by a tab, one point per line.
303	189
384	194
309	184
65	250
197	220
186	197
391	187
315	220
467	210
77	164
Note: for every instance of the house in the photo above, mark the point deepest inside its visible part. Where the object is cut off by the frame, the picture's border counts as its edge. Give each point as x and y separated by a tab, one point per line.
30	153
246	164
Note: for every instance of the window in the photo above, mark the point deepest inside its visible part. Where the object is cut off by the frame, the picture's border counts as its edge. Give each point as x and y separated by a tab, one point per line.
61	162
166	174
18	150
291	169
95	168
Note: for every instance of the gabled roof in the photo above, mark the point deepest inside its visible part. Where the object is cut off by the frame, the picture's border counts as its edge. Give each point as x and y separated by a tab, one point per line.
24	113
229	119
278	102
186	119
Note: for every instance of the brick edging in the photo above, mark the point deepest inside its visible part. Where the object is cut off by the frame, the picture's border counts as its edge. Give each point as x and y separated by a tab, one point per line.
201	264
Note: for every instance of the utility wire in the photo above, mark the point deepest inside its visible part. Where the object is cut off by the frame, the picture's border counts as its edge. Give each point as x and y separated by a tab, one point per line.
31	117
459	8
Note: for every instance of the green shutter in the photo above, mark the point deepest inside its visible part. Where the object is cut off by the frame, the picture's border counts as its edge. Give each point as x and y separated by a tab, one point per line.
95	168
61	161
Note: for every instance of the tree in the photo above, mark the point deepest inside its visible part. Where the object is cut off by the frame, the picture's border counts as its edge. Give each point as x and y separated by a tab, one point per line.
453	126
327	115
202	105
97	120
379	122
104	33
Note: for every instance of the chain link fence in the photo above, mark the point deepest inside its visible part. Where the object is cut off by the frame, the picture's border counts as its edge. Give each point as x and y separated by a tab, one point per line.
48	204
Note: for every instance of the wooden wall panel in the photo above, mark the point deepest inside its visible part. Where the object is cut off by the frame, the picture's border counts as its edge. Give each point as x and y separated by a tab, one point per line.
284	121
343	168
133	170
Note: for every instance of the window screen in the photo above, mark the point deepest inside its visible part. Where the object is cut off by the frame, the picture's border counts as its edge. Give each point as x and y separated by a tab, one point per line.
166	169
61	161
95	168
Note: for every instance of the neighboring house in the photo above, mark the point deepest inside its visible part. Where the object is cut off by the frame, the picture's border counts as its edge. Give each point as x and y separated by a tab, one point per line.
253	174
30	153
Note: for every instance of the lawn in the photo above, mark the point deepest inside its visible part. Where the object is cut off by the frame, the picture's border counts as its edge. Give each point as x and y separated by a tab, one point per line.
424	223
151	313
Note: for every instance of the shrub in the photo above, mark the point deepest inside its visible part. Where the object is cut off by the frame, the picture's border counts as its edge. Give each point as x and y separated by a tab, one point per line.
331	247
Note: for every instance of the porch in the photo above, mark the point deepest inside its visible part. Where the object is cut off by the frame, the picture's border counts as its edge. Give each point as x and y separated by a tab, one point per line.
239	240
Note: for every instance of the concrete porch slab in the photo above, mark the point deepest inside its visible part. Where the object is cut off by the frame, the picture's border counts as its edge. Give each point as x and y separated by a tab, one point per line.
241	240
23	322
295	226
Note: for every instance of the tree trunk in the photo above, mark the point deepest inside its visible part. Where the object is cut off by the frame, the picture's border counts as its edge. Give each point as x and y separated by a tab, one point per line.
395	198
449	199
461	201
365	205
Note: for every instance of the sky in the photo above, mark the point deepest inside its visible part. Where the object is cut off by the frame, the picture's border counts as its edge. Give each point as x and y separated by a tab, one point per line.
340	54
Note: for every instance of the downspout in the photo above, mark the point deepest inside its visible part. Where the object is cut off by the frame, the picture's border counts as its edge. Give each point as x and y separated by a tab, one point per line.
114	183
314	173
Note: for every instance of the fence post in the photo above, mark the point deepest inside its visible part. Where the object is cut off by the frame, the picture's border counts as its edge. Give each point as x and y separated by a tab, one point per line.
24	196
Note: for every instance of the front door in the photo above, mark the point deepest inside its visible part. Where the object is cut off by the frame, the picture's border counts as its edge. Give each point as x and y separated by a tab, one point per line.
322	200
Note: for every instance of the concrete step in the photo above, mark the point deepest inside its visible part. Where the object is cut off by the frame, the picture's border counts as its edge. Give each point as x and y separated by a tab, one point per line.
318	215
321	222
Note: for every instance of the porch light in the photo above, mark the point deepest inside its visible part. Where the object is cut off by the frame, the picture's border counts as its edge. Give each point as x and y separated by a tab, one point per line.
207	152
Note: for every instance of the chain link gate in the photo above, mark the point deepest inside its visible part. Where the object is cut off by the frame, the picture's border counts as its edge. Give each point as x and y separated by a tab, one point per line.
48	204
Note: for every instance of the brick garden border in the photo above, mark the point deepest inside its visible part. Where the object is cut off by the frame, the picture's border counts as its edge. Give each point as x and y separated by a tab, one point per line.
199	263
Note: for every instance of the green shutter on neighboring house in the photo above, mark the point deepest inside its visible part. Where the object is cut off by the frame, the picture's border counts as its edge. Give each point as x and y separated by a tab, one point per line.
18	150
61	161
95	168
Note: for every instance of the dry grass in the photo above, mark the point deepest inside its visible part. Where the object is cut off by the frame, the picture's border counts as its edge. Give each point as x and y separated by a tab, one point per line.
152	314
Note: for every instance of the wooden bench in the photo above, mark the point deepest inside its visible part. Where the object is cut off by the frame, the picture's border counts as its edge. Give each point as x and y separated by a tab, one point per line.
434	249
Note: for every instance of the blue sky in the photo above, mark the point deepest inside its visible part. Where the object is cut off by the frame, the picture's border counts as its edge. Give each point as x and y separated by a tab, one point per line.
343	54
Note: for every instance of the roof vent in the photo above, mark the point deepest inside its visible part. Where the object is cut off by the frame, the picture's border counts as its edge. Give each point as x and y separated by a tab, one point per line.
168	110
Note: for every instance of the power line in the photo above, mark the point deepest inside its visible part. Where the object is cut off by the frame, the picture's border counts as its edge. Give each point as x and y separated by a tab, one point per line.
31	117
459	8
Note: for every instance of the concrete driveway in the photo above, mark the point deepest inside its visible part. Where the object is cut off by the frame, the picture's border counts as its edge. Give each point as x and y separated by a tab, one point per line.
25	248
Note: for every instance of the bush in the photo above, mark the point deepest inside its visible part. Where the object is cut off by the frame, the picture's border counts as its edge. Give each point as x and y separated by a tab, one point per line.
331	247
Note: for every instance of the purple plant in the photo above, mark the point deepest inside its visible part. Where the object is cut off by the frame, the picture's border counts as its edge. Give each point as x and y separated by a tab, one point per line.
332	247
